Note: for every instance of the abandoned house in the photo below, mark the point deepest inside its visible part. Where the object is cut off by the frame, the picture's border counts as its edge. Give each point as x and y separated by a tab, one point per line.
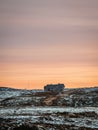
54	87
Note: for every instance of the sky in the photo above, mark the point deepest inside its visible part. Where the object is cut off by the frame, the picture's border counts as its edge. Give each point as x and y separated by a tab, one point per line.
48	41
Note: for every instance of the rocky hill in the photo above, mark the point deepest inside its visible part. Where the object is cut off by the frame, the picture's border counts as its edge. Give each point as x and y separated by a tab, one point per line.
73	109
83	97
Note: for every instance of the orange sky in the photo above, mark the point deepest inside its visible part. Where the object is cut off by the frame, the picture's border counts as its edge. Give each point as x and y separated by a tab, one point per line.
44	42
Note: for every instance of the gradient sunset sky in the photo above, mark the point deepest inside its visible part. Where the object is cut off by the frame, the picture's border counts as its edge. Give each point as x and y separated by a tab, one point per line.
48	41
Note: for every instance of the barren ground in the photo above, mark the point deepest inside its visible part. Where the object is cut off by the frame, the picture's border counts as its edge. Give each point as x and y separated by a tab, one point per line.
74	109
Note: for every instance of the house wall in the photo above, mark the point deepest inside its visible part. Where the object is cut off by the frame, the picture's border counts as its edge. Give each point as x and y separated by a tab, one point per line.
54	88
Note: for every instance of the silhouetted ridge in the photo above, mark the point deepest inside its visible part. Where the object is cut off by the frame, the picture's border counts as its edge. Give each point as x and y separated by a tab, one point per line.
8	89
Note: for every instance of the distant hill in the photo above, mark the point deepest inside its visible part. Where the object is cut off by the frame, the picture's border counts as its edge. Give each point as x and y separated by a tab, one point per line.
77	97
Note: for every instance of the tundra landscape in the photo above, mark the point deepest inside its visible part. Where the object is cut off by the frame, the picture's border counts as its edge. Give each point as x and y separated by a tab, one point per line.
71	109
44	42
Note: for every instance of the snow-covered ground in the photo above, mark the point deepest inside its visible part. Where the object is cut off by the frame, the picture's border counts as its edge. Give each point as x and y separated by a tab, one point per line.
52	115
8	94
44	110
74	108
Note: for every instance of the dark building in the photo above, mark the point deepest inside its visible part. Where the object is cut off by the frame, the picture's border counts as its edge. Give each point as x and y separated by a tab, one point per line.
54	87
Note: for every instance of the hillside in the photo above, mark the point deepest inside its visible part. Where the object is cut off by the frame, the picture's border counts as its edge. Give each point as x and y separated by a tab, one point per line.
73	109
83	97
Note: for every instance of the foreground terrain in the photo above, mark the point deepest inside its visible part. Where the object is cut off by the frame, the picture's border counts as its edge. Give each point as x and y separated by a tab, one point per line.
73	109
